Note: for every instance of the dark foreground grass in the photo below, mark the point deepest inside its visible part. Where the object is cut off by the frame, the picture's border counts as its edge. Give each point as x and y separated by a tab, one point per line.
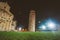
29	36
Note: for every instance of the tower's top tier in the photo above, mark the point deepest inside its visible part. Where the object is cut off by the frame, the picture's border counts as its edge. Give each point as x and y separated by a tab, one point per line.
32	11
4	5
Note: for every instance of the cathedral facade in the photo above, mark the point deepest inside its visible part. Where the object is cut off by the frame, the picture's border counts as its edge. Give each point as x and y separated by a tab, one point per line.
6	18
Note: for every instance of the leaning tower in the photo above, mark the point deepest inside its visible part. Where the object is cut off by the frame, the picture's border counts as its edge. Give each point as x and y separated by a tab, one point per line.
32	21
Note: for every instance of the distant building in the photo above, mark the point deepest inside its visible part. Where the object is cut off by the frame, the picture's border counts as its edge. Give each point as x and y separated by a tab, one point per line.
6	18
32	21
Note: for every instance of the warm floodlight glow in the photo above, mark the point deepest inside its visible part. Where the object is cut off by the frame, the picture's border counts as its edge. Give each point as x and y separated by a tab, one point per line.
43	27
20	28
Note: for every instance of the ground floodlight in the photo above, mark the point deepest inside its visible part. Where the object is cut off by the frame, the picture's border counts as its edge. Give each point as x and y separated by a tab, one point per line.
43	27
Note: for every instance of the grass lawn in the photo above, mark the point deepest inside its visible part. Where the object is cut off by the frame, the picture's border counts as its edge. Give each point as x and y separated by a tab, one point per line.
29	36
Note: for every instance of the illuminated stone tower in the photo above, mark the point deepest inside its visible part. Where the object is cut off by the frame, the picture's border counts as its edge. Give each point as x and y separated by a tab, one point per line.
32	21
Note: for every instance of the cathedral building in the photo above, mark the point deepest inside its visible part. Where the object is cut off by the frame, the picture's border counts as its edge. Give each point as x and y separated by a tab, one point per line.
6	18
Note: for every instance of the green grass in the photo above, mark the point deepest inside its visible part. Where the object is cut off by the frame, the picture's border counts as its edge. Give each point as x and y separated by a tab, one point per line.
29	36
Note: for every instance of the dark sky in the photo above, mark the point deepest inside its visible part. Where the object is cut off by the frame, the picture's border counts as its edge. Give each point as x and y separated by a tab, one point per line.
44	8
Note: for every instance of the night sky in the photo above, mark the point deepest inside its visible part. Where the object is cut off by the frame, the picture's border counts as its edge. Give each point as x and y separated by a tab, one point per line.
44	9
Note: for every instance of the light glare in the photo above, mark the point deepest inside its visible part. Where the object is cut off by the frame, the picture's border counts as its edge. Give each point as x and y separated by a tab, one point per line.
43	27
51	25
20	28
